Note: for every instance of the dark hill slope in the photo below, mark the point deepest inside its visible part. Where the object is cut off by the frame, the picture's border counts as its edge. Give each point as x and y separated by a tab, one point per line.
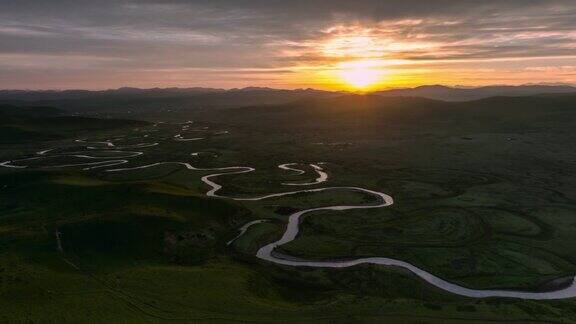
466	94
355	113
158	100
24	124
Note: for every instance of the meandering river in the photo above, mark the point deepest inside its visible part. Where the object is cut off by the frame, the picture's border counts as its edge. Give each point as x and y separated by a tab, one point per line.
267	252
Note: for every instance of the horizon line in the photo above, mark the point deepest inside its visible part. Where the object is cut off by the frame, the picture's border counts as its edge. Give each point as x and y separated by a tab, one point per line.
456	87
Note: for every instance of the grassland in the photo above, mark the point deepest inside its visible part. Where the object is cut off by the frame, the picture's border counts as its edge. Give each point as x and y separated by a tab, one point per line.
485	201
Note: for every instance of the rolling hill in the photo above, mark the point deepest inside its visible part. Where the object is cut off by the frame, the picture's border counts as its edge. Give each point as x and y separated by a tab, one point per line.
468	94
28	123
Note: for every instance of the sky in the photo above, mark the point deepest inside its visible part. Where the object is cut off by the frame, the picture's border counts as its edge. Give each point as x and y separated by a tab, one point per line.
330	44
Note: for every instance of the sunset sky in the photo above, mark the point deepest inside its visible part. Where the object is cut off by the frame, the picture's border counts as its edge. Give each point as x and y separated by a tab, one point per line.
372	44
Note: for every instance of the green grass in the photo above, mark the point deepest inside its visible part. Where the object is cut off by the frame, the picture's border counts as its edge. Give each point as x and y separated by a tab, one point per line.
486	202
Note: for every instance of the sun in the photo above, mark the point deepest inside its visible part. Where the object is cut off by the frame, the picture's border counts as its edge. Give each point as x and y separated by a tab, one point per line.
361	75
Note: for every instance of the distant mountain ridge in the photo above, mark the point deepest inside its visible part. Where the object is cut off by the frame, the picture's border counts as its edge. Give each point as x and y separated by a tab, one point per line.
440	92
198	97
38	95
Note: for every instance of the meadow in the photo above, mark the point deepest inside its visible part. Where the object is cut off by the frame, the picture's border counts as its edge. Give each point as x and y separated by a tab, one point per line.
484	197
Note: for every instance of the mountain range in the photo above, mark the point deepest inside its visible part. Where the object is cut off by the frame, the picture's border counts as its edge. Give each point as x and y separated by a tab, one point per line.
185	98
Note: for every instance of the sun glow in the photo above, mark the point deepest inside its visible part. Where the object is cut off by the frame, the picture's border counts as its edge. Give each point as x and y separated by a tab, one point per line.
361	75
359	58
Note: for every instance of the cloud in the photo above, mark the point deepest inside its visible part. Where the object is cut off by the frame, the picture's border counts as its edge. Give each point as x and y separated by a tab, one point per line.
108	37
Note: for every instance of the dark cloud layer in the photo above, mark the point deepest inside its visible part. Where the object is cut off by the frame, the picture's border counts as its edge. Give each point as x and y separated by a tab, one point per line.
176	42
